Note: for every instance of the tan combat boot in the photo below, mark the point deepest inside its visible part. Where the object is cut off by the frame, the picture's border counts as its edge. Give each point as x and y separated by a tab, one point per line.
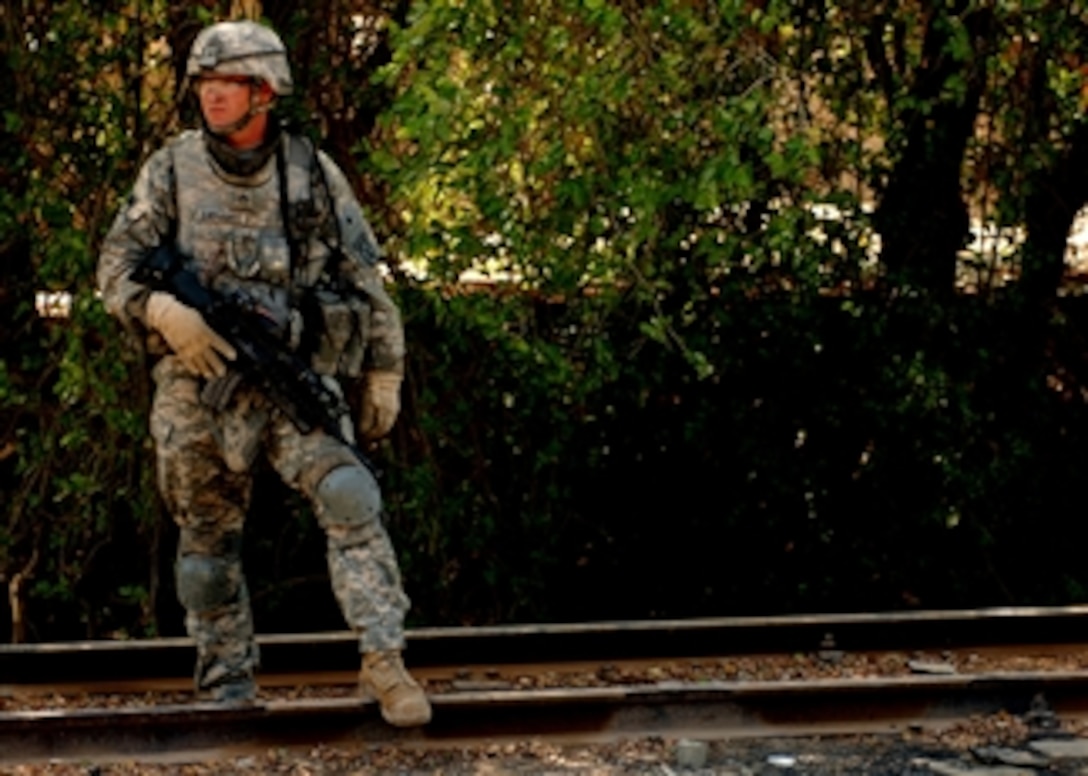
385	678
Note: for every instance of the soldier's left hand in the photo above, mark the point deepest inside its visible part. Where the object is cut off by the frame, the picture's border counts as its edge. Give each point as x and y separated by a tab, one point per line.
381	404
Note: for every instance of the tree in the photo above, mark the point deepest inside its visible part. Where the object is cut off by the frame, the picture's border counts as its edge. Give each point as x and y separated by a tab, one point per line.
648	253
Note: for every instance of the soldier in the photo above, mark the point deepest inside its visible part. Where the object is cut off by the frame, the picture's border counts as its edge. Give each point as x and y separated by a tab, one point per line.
259	212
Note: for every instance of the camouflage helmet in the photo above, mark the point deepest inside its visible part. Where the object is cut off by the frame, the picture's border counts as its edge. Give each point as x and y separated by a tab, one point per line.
241	48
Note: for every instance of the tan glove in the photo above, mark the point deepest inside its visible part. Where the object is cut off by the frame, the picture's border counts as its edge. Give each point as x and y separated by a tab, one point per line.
381	404
185	331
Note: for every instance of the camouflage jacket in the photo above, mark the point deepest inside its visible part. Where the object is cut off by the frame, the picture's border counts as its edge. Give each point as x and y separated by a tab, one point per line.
231	229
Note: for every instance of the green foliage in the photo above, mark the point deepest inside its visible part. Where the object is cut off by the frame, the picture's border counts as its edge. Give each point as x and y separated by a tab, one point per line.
72	477
687	309
689	182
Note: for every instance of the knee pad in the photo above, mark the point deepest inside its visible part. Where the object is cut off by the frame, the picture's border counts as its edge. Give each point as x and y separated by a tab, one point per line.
206	582
349	502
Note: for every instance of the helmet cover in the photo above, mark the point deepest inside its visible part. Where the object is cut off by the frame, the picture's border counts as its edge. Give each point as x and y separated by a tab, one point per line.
241	48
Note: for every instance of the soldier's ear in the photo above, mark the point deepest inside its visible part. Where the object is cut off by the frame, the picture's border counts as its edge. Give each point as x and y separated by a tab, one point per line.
265	94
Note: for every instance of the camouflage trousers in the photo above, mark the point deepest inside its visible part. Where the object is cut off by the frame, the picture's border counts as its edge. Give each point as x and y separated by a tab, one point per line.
203	465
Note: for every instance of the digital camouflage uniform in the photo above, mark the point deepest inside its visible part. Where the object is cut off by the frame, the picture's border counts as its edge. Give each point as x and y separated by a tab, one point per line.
227	220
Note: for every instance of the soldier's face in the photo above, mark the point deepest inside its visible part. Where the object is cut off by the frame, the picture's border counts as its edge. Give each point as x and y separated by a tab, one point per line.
224	99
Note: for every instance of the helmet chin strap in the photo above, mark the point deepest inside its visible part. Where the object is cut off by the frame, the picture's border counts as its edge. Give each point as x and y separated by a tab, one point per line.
242	162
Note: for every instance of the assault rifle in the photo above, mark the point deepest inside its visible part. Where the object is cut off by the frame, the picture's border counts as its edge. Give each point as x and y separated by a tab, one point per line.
263	360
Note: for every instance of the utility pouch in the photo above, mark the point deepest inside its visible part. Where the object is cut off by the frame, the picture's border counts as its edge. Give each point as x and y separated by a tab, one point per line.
334	326
351	360
342	334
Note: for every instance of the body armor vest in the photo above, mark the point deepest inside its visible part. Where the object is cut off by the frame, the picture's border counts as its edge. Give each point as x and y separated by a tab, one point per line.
231	229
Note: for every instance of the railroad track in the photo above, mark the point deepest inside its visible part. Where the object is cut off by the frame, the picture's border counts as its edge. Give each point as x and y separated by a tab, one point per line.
704	678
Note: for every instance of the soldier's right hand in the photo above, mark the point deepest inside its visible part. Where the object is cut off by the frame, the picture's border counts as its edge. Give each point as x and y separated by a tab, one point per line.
184	329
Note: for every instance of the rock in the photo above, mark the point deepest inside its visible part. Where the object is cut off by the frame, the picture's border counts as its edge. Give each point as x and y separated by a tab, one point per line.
930	667
1001	755
691	754
949	768
1061	748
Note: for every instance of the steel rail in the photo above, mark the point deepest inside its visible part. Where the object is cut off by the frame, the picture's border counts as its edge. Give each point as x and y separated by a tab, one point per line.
59	662
711	710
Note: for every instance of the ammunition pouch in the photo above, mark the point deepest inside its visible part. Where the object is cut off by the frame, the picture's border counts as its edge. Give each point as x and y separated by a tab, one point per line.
339	326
